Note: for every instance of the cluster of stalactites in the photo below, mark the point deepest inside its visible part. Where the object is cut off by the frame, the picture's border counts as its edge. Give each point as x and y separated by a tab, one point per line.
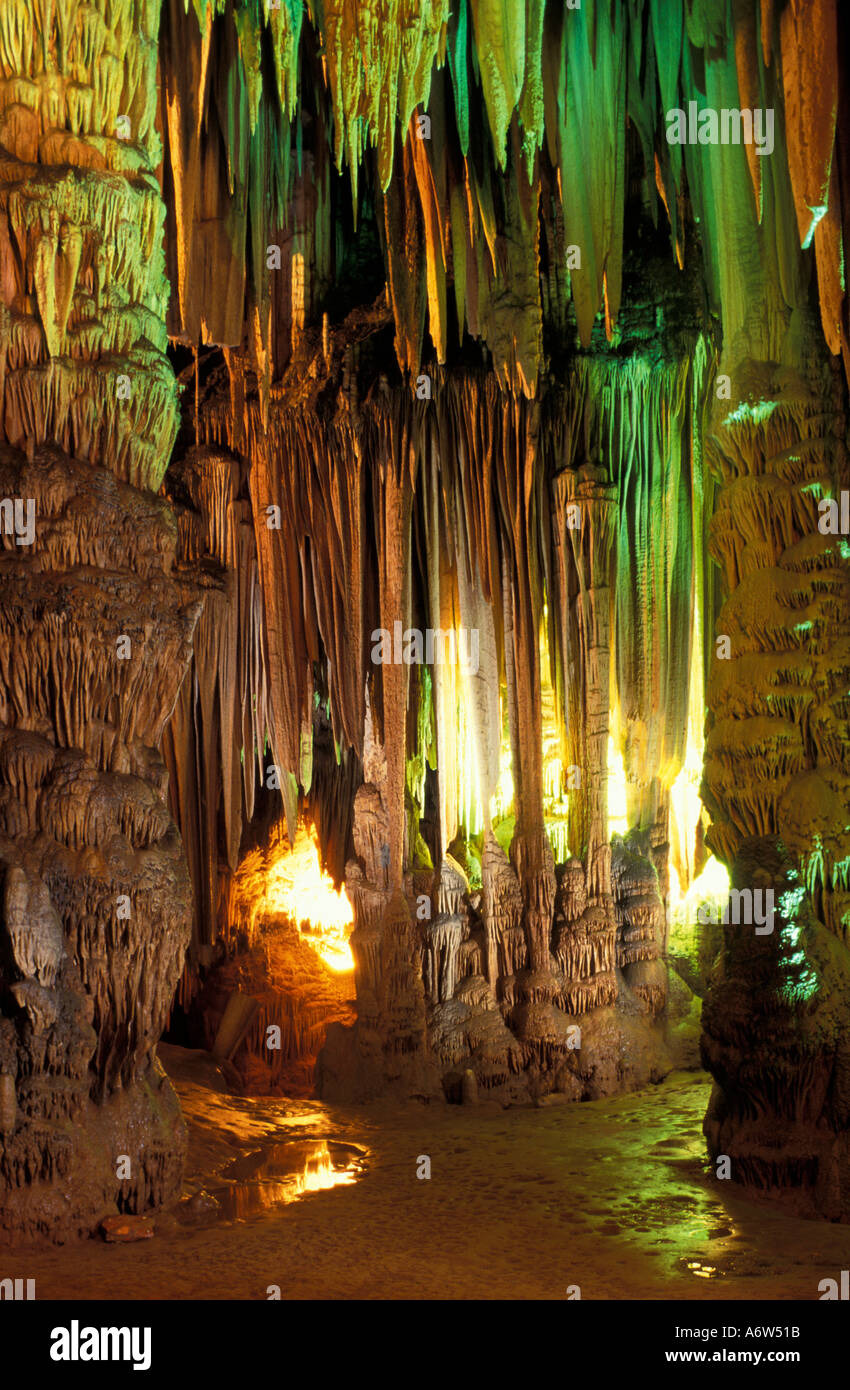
485	511
488	227
625	580
216	740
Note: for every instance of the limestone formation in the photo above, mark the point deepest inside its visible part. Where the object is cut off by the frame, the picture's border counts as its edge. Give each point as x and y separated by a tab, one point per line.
407	442
96	625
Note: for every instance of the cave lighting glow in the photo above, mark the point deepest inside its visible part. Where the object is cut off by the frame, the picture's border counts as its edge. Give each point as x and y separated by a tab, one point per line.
297	885
320	1174
618	815
501	804
686	810
711	886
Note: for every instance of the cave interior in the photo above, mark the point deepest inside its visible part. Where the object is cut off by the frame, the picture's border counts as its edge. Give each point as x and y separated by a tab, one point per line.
425	570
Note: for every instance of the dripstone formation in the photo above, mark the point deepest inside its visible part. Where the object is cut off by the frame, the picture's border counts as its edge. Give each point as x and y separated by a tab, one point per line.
332	336
96	628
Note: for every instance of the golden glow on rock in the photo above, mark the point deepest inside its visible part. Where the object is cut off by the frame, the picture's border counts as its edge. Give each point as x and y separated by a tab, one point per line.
288	1171
712	886
297	886
503	799
618	818
685	810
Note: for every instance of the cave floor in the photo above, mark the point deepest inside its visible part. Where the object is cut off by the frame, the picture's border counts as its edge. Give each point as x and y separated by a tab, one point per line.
615	1196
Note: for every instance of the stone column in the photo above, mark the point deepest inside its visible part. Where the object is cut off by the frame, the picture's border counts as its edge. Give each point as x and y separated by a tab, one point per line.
95	625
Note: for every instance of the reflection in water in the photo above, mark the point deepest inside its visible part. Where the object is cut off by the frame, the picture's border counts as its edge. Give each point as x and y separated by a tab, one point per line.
702	1271
284	1172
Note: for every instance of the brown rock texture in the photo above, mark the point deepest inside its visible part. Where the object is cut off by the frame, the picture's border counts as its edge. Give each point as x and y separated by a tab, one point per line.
776	757
295	992
96	628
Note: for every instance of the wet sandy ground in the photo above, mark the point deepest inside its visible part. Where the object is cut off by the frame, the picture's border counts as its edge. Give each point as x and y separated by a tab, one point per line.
615	1196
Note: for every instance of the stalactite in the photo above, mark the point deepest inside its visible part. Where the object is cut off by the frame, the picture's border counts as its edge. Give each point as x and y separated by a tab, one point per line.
394	449
592	114
217	734
442	617
448	185
471	496
591	502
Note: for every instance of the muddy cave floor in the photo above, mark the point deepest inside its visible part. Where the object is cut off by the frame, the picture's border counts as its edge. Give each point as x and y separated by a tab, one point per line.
614	1195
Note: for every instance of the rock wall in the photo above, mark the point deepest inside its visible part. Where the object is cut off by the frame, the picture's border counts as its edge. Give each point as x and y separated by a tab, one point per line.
96	624
776	750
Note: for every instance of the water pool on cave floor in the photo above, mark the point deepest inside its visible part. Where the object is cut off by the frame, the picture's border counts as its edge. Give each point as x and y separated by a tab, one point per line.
614	1195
